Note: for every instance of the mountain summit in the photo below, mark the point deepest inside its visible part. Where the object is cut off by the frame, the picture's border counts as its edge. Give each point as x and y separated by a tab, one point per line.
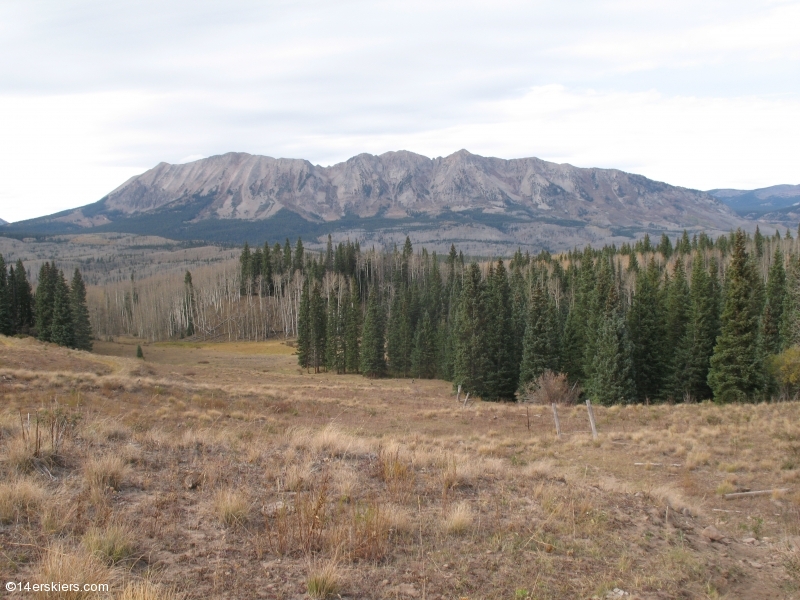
463	197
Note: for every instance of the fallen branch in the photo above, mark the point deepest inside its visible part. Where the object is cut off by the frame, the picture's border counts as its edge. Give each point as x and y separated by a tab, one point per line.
649	464
736	495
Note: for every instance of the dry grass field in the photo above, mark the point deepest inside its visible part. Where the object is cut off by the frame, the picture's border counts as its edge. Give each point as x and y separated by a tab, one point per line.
222	471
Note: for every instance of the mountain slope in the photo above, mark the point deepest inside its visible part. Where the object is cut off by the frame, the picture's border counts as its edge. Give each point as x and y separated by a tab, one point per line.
462	197
780	203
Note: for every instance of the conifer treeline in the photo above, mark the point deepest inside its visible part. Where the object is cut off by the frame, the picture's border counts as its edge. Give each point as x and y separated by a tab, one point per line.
696	319
56	313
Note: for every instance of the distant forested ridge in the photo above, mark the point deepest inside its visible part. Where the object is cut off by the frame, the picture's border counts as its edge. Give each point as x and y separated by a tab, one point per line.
683	320
56	313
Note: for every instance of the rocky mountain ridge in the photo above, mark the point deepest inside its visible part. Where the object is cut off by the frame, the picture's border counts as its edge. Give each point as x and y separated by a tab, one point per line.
462	197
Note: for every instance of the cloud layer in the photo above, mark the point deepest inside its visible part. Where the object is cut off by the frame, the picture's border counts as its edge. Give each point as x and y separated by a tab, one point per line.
700	94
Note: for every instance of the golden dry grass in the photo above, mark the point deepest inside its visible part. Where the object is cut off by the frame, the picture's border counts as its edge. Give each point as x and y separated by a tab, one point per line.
458	519
224	481
105	471
231	507
147	590
20	499
111	544
324	581
61	564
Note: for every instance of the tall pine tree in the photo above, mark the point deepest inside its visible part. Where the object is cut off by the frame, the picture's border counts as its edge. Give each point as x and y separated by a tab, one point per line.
773	307
6	307
646	326
611	370
541	338
82	328
62	329
502	373
737	367
423	356
695	349
469	356
45	299
373	352
24	304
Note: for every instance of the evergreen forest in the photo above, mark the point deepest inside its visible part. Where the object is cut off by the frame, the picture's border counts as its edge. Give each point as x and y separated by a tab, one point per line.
689	319
56	313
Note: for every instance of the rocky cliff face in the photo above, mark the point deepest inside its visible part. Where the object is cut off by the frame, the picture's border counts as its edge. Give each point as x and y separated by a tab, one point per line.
462	197
403	184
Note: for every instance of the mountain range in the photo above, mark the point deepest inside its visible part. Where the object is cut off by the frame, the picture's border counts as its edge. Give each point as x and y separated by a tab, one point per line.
483	204
777	203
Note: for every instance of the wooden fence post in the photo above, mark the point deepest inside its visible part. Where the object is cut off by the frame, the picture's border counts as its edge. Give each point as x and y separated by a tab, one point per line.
555	418
591	418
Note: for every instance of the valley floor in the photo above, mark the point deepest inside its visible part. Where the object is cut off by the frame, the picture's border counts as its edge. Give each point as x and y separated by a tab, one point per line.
224	471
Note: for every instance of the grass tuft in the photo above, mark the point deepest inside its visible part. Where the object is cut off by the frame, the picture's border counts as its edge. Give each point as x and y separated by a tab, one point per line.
231	507
112	544
146	590
459	519
324	581
105	472
19	499
60	564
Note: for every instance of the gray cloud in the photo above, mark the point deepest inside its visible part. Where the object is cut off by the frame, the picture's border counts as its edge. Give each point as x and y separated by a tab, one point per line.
324	80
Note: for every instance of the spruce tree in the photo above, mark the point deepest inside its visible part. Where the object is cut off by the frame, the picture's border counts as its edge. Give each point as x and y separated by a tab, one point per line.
677	319
62	330
399	338
610	378
758	241
541	338
266	270
502	373
329	255
697	346
573	352
773	307
423	356
304	328
373	358
45	298
519	314
737	368
319	328
597	313
299	256
82	328
24	304
6	310
352	330
469	355
646	326
245	270
334	350
288	266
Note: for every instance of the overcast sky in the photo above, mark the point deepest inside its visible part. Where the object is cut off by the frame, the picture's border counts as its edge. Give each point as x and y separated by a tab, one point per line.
702	94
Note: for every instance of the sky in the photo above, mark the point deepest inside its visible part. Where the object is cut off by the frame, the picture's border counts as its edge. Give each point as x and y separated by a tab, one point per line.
701	94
